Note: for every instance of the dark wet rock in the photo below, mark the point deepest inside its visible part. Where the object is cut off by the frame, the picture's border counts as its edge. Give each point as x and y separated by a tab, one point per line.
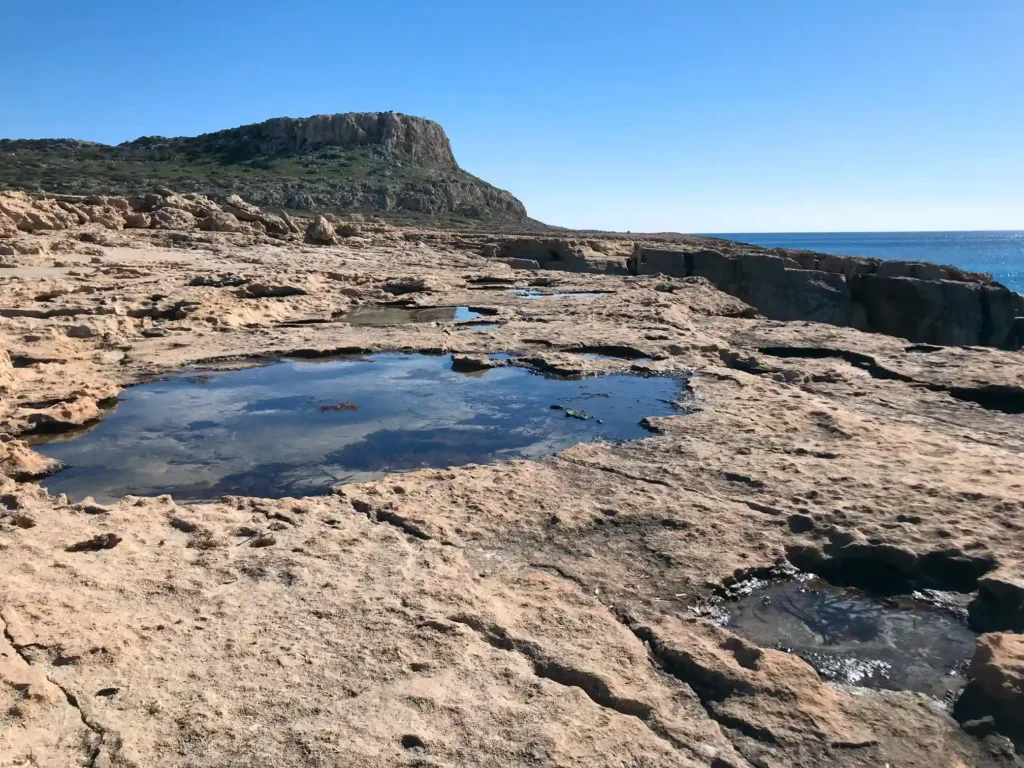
472	363
999	606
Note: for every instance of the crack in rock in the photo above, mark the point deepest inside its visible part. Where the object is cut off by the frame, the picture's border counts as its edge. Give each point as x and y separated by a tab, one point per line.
391	518
618	472
596	689
72	700
710	686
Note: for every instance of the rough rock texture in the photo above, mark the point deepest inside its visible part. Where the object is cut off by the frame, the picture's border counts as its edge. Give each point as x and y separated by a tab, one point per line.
994	699
521	613
567	254
917	301
411	136
321	232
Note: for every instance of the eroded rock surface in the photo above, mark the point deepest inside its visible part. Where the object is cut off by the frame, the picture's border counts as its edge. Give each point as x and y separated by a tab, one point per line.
525	612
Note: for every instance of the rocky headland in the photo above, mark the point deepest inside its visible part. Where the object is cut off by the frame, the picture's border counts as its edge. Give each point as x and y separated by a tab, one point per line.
857	419
363	162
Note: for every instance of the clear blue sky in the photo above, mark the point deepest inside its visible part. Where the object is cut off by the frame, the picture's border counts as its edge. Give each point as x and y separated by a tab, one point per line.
713	116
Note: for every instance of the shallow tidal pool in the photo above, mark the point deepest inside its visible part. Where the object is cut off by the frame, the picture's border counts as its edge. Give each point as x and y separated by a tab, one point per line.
855	639
301	428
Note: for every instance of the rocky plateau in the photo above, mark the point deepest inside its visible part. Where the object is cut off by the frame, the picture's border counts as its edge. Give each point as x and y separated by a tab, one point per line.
858	419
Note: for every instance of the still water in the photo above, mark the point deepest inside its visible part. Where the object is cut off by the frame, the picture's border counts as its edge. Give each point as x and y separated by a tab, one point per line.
300	428
852	638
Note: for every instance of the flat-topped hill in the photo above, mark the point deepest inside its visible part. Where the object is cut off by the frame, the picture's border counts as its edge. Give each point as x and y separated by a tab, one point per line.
374	162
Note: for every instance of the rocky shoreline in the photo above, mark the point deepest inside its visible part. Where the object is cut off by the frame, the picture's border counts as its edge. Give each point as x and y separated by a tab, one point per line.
543	612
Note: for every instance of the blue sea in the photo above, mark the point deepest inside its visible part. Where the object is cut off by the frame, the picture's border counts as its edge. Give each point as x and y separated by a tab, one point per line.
1001	254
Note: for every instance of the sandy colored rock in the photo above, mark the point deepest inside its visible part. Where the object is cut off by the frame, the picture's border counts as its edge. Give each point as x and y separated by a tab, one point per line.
320	232
994	699
19	462
242	210
534	612
135	220
221	221
172	218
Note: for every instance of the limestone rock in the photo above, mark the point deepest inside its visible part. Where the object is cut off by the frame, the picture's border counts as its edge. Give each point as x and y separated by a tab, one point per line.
563	255
994	699
472	363
7	226
221	221
242	210
6	370
918	302
134	220
270	291
19	462
275	225
172	218
107	216
404	285
321	232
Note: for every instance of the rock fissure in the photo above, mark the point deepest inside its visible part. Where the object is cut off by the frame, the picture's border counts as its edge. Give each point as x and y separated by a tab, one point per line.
1007	399
619	472
710	686
596	689
388	517
93	751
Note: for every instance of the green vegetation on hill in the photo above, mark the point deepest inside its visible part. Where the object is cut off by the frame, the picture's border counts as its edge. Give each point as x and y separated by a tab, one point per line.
277	165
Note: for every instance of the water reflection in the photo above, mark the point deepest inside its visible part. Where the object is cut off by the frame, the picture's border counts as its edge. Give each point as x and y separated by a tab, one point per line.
299	428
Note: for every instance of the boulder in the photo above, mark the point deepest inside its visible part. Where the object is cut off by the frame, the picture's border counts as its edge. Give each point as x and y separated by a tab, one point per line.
134	220
348	229
172	218
472	363
321	232
107	216
34	215
242	210
221	221
275	225
994	698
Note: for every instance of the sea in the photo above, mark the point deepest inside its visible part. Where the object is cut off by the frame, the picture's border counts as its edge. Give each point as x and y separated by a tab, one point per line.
1001	254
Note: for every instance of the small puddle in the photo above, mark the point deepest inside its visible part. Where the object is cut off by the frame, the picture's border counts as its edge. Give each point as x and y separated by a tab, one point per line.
380	317
533	293
891	644
300	428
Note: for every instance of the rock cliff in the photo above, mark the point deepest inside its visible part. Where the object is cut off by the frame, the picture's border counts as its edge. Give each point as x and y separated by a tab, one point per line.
918	301
356	162
922	302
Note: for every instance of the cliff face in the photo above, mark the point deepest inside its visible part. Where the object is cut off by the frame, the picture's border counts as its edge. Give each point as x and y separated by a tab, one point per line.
377	162
395	134
921	302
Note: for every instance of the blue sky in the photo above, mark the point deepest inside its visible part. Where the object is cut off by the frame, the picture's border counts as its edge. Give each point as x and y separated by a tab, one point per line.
714	116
